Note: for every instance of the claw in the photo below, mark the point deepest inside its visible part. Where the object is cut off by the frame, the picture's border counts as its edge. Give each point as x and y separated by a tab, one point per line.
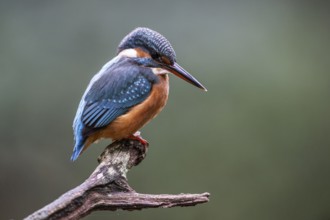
137	136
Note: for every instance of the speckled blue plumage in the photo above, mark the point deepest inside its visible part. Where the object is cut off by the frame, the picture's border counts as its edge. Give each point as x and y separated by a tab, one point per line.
120	85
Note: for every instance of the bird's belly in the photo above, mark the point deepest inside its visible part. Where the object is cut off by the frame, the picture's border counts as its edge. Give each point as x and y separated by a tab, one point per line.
139	115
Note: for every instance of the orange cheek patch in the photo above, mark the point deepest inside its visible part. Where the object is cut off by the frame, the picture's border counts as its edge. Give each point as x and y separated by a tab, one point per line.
166	60
141	53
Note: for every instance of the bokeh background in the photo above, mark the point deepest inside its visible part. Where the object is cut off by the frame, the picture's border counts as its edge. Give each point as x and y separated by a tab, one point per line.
258	140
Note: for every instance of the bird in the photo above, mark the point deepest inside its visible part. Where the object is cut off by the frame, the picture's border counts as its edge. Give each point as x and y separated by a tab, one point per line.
128	91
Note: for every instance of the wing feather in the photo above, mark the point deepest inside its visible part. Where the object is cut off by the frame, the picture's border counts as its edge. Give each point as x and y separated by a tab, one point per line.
115	92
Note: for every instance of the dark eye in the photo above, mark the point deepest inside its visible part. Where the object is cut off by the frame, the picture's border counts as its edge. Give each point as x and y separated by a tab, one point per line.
161	58
155	56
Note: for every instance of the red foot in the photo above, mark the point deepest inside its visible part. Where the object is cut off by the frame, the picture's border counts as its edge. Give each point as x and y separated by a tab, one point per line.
137	136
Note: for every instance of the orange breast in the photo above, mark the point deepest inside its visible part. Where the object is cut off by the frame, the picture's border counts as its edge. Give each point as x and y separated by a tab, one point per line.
137	116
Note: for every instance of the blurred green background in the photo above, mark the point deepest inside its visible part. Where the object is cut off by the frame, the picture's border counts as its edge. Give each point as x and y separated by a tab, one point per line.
258	140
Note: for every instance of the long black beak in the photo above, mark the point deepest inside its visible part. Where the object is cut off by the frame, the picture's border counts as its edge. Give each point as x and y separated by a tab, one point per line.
177	70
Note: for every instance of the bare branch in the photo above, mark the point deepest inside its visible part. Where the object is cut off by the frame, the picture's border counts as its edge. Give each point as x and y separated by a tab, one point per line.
107	188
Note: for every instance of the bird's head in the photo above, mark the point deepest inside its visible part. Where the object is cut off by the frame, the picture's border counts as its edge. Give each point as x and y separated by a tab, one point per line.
151	49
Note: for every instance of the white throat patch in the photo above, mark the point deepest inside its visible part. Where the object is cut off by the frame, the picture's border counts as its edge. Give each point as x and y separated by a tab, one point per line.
159	71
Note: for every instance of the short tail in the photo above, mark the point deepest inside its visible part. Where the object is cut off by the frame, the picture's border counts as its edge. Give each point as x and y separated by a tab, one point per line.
78	148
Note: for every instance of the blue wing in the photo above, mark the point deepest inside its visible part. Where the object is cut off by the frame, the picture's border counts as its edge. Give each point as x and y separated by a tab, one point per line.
105	106
117	89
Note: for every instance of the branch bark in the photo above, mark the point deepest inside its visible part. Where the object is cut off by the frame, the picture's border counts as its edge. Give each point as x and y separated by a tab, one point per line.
107	188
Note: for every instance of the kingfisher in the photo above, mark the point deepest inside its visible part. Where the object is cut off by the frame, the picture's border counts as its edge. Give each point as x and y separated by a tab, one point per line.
128	91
